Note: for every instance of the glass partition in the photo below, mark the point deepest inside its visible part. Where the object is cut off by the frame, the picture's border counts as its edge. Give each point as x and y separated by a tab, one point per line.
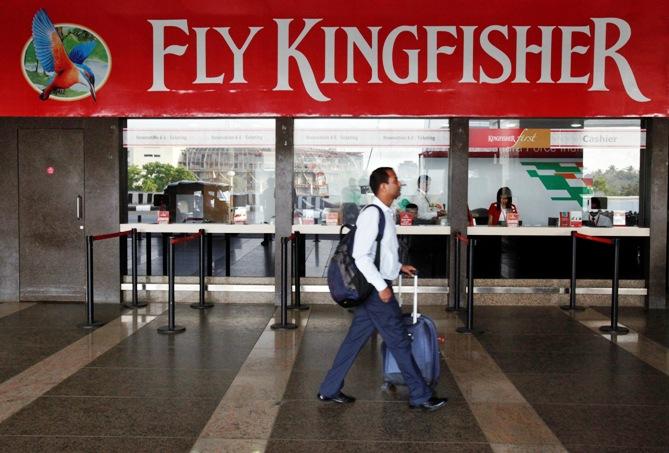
334	158
200	170
333	161
552	171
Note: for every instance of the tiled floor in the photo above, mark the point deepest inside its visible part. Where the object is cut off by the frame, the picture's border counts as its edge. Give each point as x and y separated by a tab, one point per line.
537	379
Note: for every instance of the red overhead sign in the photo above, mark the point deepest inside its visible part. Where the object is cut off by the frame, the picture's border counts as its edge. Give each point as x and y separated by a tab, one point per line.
522	58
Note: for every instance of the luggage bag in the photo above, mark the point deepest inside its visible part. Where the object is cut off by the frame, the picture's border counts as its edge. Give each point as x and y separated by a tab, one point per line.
424	345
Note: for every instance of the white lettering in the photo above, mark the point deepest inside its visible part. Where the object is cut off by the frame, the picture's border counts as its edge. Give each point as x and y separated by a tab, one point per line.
201	58
238	52
329	55
369	51
285	51
522	49
568	50
388	64
433	51
468	55
496	54
602	53
159	50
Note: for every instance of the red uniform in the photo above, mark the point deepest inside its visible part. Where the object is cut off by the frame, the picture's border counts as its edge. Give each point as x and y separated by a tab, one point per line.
494	212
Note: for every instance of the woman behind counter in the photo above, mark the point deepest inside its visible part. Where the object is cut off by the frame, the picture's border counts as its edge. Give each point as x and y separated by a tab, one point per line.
498	210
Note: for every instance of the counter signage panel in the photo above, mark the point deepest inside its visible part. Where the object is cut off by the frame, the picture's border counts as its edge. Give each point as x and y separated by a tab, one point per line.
318	58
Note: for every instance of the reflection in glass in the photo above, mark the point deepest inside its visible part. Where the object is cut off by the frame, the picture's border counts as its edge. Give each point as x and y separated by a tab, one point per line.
200	170
334	158
554	167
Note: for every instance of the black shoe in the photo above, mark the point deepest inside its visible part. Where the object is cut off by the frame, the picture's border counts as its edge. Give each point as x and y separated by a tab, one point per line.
341	398
430	405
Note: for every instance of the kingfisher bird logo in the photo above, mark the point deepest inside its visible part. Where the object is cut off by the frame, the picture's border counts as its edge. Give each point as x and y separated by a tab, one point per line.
65	62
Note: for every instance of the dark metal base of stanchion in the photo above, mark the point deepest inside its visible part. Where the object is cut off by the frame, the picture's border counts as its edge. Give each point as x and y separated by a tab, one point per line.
93	325
468	331
200	306
614	331
288	326
302	307
132	307
167	331
569	307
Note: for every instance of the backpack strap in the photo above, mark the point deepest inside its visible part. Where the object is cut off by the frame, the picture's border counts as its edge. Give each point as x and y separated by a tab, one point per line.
379	235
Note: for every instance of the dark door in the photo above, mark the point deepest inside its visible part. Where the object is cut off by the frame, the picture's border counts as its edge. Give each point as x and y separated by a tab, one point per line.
51	217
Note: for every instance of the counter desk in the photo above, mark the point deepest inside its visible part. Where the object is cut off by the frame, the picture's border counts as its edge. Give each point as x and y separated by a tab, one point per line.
626	231
166	229
526	252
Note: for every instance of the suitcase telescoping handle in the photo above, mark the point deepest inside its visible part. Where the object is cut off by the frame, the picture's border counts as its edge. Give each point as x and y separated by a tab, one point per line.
414	313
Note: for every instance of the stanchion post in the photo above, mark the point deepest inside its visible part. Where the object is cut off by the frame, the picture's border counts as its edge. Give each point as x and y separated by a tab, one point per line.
469	327
210	255
228	255
135	252
171	327
572	286
296	255
201	305
456	277
614	328
134	258
90	323
284	324
147	251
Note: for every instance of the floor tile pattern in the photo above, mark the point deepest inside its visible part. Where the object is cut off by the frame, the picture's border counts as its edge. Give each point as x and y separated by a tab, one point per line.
148	386
590	392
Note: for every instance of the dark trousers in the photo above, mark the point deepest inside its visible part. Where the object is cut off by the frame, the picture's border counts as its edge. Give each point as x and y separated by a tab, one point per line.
386	318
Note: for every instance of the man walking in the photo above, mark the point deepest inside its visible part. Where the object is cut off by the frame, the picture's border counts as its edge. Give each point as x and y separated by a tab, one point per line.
380	311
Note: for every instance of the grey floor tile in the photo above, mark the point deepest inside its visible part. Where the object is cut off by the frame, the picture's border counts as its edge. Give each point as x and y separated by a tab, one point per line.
33	334
342	446
631	427
597	387
78	444
617	361
375	421
589	343
103	416
146	383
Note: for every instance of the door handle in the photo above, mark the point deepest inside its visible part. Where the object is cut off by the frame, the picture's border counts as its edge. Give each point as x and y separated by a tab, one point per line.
79	206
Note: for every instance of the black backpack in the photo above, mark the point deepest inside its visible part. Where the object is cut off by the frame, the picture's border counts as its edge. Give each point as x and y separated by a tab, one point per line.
348	287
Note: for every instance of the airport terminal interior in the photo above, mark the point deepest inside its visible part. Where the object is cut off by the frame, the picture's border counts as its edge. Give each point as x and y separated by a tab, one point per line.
527	375
184	190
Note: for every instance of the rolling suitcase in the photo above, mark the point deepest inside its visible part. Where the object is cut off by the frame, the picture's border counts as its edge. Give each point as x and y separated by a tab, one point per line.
424	345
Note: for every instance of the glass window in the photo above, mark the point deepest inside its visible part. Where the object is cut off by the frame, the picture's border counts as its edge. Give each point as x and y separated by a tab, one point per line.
539	169
334	158
333	161
200	170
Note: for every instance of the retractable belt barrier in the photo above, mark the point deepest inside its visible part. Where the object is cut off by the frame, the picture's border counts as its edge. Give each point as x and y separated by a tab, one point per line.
613	328
459	237
296	261
91	323
171	327
284	287
469	325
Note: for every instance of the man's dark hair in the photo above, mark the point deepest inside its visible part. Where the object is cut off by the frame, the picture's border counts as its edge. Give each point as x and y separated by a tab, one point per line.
378	177
423	179
411	206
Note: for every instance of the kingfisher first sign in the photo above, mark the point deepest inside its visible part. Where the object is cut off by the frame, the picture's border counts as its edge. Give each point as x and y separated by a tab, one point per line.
524	58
